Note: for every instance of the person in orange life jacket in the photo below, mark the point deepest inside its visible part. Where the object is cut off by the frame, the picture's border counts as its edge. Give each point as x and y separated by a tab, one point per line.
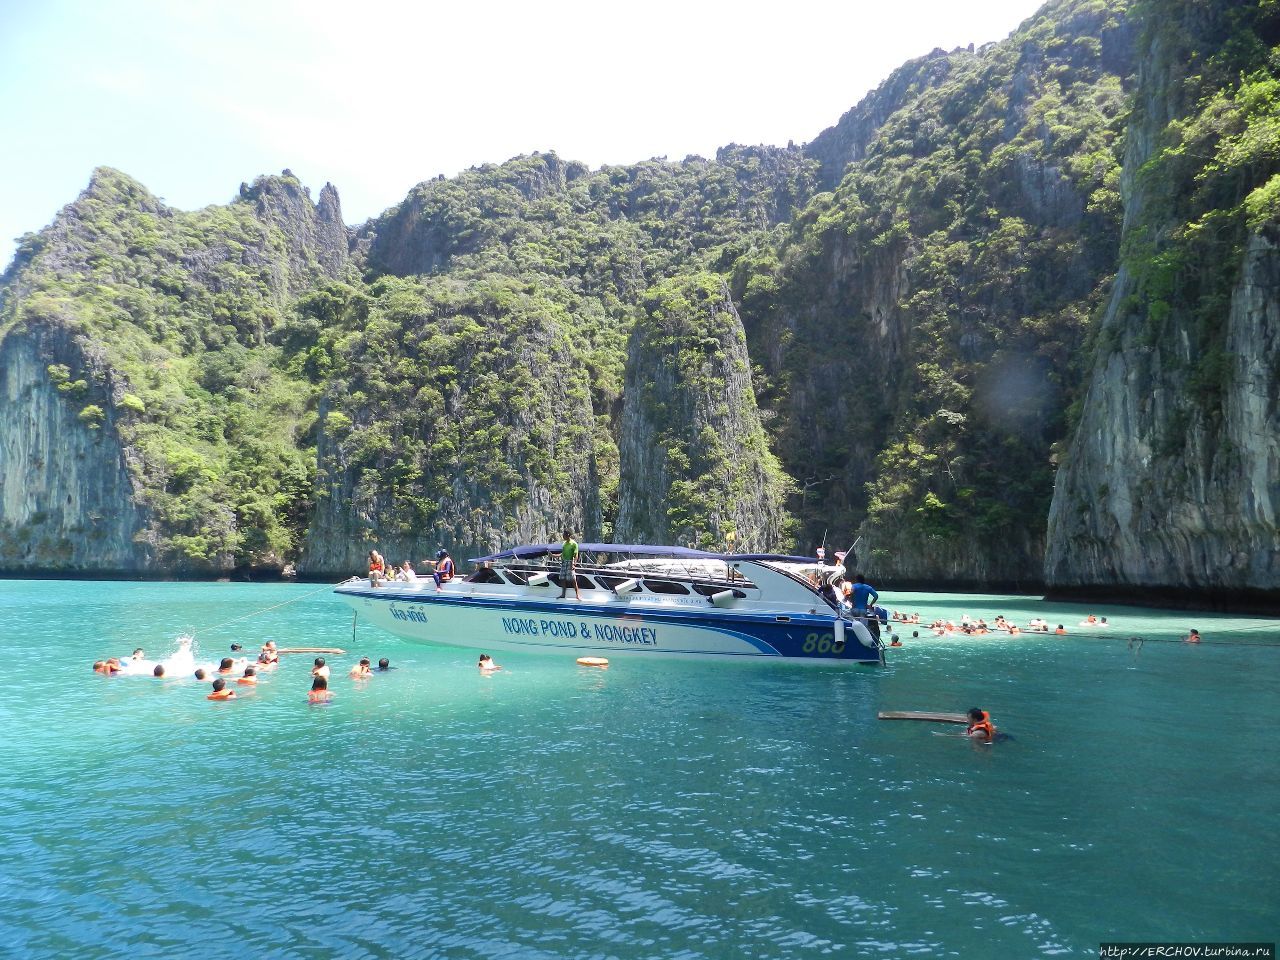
980	726
250	677
444	568
377	568
220	691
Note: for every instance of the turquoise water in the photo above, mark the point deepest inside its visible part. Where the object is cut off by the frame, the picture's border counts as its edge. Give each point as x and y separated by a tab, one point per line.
653	810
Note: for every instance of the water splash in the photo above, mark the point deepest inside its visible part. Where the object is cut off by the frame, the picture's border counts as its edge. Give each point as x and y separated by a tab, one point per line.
180	663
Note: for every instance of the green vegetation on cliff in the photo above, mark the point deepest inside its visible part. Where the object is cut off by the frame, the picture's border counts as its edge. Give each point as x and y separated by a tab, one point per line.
172	310
1214	177
696	465
690	350
922	329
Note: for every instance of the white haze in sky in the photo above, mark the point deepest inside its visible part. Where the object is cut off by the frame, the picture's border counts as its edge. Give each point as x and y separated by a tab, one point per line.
193	98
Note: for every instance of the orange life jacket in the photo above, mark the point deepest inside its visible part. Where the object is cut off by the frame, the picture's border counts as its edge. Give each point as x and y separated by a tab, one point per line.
446	569
247	680
223	694
985	725
1060	632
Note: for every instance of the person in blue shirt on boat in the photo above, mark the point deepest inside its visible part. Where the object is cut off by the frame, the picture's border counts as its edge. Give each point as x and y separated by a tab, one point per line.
863	595
444	568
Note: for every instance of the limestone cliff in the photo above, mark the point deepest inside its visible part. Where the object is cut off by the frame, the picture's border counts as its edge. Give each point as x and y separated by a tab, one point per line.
917	328
1172	483
315	236
846	142
149	330
67	498
696	468
459	418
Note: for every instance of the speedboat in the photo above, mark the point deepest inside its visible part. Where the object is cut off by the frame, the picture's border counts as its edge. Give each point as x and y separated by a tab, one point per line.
654	601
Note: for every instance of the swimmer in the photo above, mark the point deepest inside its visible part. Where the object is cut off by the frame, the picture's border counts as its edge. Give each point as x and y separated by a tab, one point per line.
221	691
361	670
1061	631
226	666
137	655
895	642
1192	637
269	654
250	677
236	648
384	664
1103	623
321	669
200	675
486	664
980	726
109	667
319	692
158	671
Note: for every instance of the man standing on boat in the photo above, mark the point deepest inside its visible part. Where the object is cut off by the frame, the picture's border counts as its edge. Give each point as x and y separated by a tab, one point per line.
568	563
864	595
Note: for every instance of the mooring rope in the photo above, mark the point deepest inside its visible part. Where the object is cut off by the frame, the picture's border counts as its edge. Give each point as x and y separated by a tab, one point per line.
254	613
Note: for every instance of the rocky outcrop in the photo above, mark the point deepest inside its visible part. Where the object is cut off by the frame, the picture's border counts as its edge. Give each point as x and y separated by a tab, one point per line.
1161	497
443	219
838	146
314	234
67	498
919	325
696	468
1171	486
487	442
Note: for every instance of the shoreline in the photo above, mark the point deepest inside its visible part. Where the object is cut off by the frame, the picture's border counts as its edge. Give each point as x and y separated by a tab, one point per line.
1191	598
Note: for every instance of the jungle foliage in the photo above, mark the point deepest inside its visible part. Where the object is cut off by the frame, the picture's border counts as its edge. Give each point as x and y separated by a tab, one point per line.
916	337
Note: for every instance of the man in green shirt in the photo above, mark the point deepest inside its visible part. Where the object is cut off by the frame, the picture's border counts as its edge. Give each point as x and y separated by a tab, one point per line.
568	561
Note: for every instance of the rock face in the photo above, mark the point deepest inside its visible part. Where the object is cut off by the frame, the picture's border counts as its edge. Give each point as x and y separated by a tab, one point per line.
314	232
67	499
1172	483
919	327
141	437
443	219
846	142
695	464
1161	497
487	441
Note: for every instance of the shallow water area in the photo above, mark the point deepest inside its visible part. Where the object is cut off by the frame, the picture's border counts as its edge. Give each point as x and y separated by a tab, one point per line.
652	809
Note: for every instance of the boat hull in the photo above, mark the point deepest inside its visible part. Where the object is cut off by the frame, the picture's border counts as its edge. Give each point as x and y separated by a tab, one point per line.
608	629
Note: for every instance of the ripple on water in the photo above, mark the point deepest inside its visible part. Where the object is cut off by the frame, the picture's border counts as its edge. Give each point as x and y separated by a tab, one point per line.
654	810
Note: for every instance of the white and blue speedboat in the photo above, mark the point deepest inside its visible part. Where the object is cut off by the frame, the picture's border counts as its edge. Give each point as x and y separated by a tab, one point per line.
655	602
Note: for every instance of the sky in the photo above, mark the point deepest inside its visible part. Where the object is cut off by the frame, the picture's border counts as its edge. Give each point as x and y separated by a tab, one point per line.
375	96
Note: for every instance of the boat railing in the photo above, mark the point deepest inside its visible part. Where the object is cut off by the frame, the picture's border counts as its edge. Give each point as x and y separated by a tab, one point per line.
613	579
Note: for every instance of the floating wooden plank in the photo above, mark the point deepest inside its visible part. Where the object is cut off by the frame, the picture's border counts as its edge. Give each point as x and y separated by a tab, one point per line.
924	715
337	651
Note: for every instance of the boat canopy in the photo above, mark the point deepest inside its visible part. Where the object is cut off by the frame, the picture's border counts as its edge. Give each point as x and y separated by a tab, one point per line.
533	550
